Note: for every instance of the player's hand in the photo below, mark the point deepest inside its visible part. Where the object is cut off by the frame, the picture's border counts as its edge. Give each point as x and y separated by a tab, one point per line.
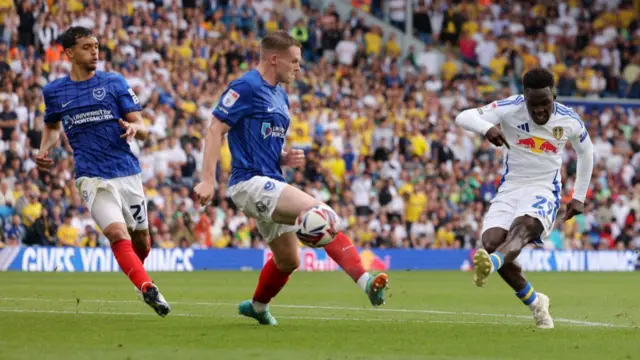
43	162
130	130
204	192
496	137
574	207
293	158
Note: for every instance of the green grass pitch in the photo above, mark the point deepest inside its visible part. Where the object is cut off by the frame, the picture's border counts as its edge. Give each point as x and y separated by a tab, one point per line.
429	315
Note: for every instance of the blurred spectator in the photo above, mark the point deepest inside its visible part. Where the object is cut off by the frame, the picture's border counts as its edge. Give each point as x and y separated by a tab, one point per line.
375	121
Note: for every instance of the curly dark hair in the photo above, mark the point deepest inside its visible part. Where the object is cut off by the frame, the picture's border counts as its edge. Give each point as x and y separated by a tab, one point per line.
538	78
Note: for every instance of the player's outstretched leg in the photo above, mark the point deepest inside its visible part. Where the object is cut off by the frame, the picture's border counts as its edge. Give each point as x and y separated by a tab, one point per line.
494	239
273	277
291	203
524	230
344	253
133	268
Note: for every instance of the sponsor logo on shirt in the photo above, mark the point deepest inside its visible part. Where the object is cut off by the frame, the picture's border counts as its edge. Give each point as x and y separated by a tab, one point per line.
537	145
69	121
274	131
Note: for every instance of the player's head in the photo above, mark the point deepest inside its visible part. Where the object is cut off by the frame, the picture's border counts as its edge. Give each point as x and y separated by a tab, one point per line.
281	53
538	94
81	46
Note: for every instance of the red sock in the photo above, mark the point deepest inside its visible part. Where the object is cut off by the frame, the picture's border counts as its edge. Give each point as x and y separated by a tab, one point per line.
345	254
130	263
271	281
142	252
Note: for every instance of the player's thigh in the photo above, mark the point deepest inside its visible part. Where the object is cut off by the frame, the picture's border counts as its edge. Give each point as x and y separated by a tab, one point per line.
103	201
291	203
540	203
134	205
285	251
106	210
500	214
267	200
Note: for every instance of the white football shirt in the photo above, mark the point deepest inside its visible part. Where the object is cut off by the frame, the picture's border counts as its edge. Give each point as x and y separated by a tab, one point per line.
535	150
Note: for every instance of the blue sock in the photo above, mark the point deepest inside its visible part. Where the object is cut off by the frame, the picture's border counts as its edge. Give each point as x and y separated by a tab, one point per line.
497	259
527	295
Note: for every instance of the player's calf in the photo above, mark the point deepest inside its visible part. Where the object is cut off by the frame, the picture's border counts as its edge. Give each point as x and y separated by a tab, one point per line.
141	243
123	251
273	277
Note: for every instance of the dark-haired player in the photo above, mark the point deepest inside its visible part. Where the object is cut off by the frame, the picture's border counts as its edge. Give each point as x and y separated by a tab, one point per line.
254	113
100	113
535	129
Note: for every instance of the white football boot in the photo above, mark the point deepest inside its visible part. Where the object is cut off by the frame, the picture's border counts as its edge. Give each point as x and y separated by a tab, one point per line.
540	309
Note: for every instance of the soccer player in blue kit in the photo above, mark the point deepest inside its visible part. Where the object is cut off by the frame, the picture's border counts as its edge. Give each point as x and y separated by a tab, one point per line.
254	112
100	113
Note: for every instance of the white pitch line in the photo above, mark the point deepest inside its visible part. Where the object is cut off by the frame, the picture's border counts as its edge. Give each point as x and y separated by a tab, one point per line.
322	318
409	311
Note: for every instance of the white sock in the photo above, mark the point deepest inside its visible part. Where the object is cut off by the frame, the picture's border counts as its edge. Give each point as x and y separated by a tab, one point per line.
534	303
362	281
259	307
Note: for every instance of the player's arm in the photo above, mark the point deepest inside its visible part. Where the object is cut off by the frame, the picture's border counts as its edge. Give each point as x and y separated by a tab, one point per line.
234	105
50	134
130	108
483	120
134	126
213	143
581	142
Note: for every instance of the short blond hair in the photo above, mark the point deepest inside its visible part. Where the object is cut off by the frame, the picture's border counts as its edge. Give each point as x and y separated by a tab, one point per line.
278	41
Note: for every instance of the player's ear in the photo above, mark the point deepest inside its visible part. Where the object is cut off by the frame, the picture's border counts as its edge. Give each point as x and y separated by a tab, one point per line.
273	58
554	94
69	53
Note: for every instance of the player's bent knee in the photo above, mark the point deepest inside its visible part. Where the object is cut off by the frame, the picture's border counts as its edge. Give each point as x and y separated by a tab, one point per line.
493	238
116	232
288	263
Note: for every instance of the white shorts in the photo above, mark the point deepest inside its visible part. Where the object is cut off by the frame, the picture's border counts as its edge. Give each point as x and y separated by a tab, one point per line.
539	202
257	198
117	200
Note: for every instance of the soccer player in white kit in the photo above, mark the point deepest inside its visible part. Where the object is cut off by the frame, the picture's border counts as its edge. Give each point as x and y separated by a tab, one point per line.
534	129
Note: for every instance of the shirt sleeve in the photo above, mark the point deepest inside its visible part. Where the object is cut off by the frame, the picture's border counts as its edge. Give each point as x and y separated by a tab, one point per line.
480	120
581	142
235	103
51	115
127	100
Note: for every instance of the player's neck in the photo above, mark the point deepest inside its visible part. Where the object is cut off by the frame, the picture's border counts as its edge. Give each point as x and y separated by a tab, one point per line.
80	74
268	76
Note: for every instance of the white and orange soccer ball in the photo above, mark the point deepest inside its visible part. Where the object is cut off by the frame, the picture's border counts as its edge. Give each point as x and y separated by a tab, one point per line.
317	226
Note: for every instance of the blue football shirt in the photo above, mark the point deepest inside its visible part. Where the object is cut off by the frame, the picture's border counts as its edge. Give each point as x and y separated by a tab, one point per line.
258	114
89	111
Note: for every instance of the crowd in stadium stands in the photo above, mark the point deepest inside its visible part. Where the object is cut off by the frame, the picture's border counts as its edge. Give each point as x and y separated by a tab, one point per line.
382	147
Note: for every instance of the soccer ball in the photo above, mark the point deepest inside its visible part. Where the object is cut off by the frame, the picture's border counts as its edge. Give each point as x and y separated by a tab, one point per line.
317	226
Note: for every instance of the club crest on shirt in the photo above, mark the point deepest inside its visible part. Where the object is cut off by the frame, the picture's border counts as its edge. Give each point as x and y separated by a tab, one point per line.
99	93
558	132
230	98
